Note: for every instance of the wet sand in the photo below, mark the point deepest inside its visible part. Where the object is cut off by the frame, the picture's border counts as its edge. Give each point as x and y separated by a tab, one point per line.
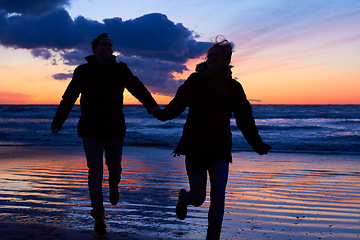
44	195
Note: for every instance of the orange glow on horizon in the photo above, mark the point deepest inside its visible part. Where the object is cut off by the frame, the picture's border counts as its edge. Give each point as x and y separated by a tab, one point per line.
32	83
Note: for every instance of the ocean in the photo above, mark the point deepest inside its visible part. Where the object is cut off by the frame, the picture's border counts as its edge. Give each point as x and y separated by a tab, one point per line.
307	187
319	129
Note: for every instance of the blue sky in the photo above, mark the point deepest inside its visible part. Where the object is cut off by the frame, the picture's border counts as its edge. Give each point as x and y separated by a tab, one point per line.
162	41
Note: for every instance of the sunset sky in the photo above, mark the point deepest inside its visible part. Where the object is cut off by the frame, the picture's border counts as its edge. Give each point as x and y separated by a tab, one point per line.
285	52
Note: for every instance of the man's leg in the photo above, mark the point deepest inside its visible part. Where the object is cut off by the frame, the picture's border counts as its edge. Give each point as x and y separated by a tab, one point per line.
113	156
94	156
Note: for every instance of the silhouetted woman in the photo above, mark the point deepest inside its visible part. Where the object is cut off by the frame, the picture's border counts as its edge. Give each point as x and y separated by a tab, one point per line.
212	96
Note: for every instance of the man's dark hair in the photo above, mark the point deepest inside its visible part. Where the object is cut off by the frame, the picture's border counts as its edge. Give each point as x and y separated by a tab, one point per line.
95	42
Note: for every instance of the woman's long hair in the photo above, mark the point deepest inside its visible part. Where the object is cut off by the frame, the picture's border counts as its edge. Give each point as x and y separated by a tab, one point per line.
222	43
222	75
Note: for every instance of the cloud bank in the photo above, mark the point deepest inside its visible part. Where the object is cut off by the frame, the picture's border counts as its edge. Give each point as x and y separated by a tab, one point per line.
31	7
153	46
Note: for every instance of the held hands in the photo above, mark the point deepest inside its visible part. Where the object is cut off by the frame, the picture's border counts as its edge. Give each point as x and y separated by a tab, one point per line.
156	112
55	128
262	148
153	111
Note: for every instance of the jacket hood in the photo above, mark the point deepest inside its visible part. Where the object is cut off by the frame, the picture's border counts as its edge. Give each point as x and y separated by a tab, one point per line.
92	59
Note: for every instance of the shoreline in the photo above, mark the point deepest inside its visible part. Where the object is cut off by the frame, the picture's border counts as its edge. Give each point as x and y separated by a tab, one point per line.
44	195
7	151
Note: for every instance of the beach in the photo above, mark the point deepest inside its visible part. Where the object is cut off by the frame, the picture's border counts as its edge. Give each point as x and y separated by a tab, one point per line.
44	195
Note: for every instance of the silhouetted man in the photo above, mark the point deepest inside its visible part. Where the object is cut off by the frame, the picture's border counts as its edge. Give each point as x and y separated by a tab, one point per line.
101	82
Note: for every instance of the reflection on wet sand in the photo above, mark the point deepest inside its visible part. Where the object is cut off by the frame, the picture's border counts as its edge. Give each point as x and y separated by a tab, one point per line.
280	196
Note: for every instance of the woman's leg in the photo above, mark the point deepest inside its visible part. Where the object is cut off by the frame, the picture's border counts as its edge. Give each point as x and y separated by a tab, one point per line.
197	175
197	194
218	172
94	156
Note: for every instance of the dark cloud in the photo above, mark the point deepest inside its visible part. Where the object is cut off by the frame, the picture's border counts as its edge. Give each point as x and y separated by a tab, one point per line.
156	75
154	36
53	30
41	53
149	40
150	36
62	76
74	57
31	6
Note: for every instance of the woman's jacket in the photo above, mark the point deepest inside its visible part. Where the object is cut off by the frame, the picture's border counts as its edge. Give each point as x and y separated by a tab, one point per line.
212	98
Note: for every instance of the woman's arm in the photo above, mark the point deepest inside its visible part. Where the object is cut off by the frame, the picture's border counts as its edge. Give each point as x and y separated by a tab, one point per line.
246	123
179	103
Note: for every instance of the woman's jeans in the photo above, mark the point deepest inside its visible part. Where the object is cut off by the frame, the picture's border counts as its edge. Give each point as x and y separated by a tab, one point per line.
218	173
94	150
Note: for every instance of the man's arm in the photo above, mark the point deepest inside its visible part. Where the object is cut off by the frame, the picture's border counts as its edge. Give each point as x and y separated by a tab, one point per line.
71	93
138	89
